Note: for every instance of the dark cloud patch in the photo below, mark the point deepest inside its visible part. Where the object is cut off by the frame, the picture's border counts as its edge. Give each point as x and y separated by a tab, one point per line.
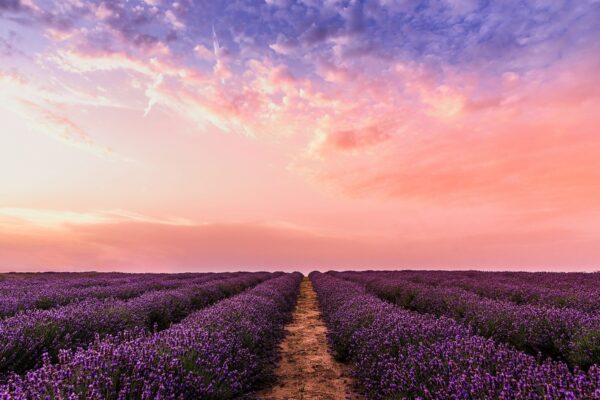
62	19
10	5
355	17
142	39
123	22
171	36
8	45
6	48
138	26
317	34
59	22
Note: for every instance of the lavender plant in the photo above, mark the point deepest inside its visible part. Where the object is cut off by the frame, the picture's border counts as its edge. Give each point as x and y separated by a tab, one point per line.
217	353
563	334
398	354
25	337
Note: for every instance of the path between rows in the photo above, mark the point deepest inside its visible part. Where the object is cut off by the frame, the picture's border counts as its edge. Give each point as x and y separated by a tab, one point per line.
306	370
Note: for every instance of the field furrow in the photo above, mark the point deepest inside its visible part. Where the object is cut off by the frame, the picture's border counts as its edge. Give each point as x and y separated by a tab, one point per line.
306	370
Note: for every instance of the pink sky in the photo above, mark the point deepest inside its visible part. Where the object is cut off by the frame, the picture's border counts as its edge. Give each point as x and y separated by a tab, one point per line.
153	136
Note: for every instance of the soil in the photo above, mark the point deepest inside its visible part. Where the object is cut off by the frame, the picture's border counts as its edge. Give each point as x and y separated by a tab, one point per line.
306	370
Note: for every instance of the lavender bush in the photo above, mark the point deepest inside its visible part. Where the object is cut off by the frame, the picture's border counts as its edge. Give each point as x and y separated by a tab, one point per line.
572	290
54	290
561	333
398	354
216	353
25	337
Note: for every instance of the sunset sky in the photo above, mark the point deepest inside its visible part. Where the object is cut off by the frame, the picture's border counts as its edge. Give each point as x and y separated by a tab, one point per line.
309	134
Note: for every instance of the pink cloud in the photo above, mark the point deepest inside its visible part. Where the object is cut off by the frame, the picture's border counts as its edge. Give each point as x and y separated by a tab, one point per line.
132	246
43	110
468	138
532	142
350	139
203	53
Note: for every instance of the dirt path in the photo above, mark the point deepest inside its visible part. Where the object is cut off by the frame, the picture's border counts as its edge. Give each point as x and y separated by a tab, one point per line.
306	370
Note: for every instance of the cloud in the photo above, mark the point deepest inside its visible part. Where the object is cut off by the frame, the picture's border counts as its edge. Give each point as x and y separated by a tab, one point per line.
408	132
174	21
316	34
463	6
353	139
43	120
81	62
533	145
151	247
63	219
131	245
10	5
423	127
9	45
260	102
464	32
284	45
455	102
203	53
42	110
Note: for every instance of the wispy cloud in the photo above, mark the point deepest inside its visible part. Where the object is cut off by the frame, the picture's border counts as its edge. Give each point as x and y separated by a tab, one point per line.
42	110
59	219
141	246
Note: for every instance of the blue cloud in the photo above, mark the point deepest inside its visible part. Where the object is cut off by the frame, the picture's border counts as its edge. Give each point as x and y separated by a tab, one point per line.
494	34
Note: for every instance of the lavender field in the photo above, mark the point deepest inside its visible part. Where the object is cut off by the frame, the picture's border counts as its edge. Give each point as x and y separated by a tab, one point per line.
335	335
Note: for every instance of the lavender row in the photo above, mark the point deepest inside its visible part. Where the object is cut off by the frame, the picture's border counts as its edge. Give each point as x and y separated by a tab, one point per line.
531	288
580	298
57	294
220	352
14	280
25	337
398	354
14	286
562	334
555	280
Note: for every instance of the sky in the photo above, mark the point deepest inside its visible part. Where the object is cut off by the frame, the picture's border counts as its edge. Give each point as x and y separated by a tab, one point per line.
149	135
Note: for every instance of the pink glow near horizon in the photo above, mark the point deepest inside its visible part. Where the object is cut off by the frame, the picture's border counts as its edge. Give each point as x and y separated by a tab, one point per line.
133	140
